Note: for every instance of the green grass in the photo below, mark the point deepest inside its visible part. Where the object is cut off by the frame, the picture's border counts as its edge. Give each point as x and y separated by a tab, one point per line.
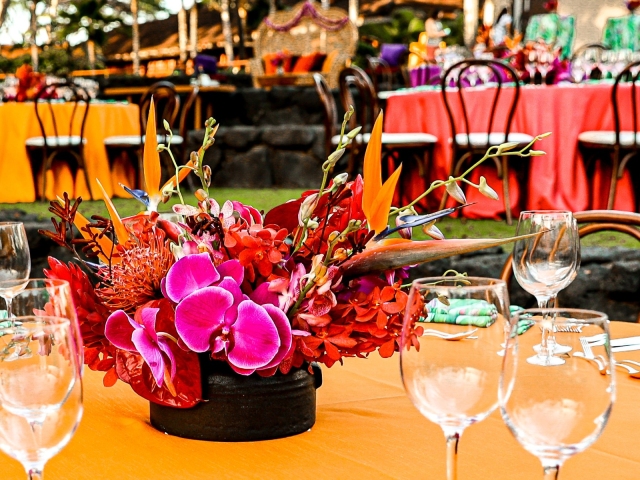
265	199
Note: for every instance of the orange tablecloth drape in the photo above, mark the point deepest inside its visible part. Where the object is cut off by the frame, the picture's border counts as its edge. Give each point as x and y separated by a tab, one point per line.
366	429
18	122
557	180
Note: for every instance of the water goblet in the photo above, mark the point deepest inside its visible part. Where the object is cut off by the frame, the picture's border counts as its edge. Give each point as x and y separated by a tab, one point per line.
531	67
15	259
557	412
577	71
454	383
40	390
545	264
544	65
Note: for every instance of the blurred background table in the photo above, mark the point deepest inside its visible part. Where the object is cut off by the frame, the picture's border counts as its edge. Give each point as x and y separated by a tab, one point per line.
18	122
557	180
366	428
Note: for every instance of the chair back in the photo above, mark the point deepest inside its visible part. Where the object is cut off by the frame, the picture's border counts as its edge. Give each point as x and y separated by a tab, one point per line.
594	221
458	76
627	78
167	104
381	74
330	110
354	78
183	127
53	122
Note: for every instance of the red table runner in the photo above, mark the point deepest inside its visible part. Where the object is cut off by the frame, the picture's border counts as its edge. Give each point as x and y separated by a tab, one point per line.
557	180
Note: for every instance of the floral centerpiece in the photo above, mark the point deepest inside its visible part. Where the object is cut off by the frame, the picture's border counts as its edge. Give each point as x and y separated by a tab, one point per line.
316	279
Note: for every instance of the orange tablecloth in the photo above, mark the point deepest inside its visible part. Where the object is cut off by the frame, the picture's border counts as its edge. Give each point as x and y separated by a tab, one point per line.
366	429
557	180
18	122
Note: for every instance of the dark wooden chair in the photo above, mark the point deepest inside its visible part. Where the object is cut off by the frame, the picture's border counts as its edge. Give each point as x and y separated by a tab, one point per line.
381	74
467	145
616	146
419	145
167	103
593	221
57	143
330	113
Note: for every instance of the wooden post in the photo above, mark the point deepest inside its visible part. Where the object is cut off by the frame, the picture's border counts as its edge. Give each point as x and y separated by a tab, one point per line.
135	38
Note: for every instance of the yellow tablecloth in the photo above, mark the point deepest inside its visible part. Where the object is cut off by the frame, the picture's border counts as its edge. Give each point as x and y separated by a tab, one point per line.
366	429
18	122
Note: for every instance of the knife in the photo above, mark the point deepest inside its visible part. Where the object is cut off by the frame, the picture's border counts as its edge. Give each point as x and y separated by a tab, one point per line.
626	348
618	342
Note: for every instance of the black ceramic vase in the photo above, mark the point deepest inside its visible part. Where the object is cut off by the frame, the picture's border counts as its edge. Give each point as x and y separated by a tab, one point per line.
244	408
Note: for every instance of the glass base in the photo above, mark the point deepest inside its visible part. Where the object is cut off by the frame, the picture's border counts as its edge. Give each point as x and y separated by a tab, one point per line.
557	348
545	361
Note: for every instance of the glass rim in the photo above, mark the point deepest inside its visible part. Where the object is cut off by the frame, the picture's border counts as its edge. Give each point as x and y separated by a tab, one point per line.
6	224
546	212
484	282
600	316
48	283
43	320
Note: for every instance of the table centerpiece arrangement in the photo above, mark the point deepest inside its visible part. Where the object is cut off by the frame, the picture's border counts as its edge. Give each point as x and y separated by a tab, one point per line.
220	314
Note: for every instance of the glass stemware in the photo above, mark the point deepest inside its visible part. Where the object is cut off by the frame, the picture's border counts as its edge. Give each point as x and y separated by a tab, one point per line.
557	412
531	67
15	259
544	65
454	383
545	264
40	390
45	296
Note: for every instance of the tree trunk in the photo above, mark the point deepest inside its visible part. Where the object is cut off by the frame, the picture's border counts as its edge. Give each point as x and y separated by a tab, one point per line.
91	53
272	7
226	29
135	38
354	10
193	30
471	13
182	36
33	31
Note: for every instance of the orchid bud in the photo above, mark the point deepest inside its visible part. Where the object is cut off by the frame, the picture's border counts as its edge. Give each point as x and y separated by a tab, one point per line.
201	195
306	209
505	147
544	135
404	232
333	236
354	133
455	191
160	147
166	126
444	300
209	122
335	156
312	224
194	159
536	153
340	179
206	171
486	190
433	231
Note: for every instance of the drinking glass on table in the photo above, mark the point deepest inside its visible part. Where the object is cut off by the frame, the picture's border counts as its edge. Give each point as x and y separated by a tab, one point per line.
544	65
577	70
544	264
453	378
40	390
15	259
530	65
45	296
557	412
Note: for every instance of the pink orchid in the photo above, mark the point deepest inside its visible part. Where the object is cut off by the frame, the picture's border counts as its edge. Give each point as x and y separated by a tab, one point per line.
213	314
127	334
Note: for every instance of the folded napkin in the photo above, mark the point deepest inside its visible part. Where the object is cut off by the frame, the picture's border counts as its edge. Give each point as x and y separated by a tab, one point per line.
477	313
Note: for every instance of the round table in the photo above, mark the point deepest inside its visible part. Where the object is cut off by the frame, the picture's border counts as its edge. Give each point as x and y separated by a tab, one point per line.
556	180
18	122
366	429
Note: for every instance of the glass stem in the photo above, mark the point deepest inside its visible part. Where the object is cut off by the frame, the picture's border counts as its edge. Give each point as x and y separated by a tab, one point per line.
452	455
8	301
34	472
551	473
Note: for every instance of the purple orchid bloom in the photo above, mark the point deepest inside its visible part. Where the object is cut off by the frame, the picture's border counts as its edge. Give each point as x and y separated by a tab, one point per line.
213	314
127	334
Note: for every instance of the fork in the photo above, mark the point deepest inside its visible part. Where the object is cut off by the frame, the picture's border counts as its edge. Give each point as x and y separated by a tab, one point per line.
450	336
586	348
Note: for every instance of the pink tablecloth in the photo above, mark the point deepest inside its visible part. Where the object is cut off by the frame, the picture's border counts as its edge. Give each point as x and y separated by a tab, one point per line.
557	180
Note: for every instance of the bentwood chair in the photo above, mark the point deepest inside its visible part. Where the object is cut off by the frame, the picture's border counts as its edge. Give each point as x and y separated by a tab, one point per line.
57	143
469	144
167	104
381	74
590	222
419	145
618	147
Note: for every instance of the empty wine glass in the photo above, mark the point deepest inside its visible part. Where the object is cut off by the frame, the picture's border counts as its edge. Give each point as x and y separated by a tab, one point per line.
454	383
544	65
45	296
530	65
557	412
577	70
15	259
546	263
40	390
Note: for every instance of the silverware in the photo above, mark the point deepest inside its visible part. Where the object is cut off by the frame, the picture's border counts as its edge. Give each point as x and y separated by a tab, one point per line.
586	348
601	364
450	336
618	342
632	372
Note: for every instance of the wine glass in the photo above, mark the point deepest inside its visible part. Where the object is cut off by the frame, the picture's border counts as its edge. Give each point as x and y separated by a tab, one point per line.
544	65
546	263
46	296
454	383
40	390
557	412
15	259
577	70
530	65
